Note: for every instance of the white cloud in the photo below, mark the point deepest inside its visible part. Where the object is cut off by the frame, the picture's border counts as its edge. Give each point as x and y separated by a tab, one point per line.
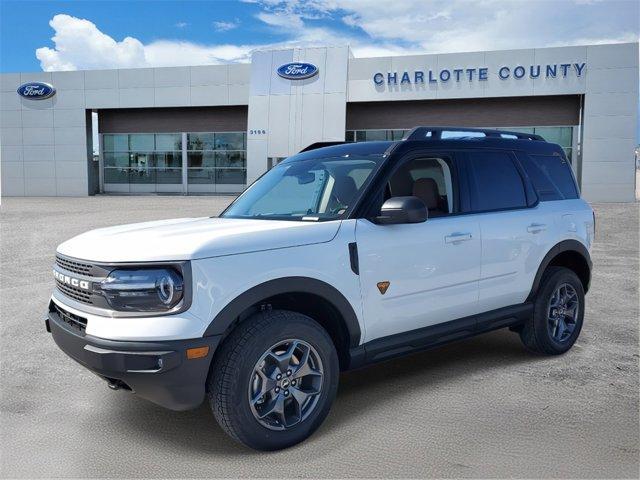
173	53
79	44
621	38
371	27
281	20
222	26
467	25
181	24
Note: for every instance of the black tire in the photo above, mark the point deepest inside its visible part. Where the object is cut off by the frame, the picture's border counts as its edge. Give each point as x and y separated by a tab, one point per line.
536	334
233	372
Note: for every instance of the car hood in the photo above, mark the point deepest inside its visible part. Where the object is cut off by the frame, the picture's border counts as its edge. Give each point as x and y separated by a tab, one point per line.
193	238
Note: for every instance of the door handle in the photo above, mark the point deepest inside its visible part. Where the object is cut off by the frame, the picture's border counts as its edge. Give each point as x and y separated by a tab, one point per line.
457	238
536	228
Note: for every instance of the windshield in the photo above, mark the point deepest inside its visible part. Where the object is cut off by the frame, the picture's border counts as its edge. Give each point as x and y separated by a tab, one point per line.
313	189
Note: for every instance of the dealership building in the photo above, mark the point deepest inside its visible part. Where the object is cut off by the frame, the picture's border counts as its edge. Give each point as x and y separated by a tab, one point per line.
215	129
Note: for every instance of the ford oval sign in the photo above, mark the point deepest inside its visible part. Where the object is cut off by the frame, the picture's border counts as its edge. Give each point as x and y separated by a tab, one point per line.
36	90
297	71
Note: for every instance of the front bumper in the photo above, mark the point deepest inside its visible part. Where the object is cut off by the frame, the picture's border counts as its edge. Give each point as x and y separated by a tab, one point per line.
158	371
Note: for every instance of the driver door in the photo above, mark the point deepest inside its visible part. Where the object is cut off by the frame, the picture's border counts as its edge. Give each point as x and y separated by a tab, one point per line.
430	270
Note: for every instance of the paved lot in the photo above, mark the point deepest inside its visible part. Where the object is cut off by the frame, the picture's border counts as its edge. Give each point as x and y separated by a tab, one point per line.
479	408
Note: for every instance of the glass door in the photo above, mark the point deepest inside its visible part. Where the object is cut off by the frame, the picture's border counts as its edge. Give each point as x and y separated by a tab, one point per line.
216	162
142	163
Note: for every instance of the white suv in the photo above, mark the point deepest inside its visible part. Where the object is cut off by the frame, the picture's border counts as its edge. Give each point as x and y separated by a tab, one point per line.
340	256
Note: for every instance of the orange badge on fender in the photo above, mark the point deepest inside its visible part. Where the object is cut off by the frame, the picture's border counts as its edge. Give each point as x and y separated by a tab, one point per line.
383	287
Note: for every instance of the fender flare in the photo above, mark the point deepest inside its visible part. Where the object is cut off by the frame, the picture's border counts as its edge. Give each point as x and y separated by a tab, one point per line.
564	246
254	295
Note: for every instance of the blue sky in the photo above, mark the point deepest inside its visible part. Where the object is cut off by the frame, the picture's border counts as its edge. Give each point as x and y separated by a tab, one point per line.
73	35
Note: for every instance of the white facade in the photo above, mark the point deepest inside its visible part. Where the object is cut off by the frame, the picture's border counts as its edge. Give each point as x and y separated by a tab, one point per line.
44	149
294	113
45	146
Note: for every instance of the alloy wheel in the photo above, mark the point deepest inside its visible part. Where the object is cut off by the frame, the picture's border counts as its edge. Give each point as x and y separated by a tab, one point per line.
562	312
285	385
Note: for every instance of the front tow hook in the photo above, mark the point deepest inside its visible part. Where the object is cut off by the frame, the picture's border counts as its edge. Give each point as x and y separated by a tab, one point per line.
115	384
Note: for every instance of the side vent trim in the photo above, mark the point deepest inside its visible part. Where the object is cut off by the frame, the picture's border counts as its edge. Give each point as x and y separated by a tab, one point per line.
353	257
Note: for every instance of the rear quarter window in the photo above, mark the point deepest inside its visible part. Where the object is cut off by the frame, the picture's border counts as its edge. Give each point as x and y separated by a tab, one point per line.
495	183
551	176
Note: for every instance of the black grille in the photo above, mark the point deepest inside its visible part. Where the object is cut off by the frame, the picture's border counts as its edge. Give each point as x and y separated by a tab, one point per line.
75	321
74	266
75	293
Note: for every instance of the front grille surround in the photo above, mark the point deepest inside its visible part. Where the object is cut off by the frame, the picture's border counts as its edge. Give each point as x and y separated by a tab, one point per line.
92	300
75	321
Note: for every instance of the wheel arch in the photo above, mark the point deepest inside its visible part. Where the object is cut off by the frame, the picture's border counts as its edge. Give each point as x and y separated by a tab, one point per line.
570	254
309	296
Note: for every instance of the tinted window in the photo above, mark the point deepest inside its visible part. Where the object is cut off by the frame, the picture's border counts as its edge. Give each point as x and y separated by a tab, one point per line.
551	176
494	182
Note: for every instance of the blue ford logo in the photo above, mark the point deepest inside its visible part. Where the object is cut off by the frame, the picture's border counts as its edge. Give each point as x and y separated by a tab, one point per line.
297	71
36	90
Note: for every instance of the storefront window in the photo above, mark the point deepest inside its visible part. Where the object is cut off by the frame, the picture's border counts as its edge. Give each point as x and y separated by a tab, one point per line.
142	142
200	141
142	158
169	141
116	143
373	135
230	141
563	136
216	159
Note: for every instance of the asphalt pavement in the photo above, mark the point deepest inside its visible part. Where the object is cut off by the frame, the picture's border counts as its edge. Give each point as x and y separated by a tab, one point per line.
483	407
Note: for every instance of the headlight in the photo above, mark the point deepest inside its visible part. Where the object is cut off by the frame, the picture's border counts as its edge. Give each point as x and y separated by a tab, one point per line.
143	290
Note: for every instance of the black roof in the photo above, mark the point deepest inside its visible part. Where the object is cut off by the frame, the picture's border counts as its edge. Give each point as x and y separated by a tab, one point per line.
433	138
340	149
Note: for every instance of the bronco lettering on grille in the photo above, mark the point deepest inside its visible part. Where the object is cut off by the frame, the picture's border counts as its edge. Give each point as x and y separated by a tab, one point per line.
74	282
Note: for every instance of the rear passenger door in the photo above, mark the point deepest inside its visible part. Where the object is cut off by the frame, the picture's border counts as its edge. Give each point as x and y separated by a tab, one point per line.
514	234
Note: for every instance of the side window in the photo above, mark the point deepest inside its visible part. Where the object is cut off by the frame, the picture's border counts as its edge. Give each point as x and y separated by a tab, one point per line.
551	176
494	182
428	179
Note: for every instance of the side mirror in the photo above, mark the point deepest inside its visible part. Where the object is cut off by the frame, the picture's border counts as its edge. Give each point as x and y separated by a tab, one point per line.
398	210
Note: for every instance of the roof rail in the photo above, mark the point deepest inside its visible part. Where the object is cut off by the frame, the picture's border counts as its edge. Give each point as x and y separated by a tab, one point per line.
435	133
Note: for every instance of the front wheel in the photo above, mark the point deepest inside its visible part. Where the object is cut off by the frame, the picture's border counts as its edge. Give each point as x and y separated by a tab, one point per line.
558	313
274	380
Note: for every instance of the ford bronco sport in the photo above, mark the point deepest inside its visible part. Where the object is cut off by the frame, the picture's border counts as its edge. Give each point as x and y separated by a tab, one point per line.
338	257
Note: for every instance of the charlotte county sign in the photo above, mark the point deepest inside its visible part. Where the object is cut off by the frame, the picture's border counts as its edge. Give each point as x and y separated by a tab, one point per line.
297	70
482	73
36	90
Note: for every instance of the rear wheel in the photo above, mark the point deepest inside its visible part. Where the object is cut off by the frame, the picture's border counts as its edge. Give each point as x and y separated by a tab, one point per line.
274	380
558	313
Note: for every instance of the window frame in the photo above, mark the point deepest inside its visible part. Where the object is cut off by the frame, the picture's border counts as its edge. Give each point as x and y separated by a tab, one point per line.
376	188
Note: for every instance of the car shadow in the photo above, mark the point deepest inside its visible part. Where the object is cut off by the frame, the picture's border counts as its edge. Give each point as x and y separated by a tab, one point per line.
475	357
359	392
